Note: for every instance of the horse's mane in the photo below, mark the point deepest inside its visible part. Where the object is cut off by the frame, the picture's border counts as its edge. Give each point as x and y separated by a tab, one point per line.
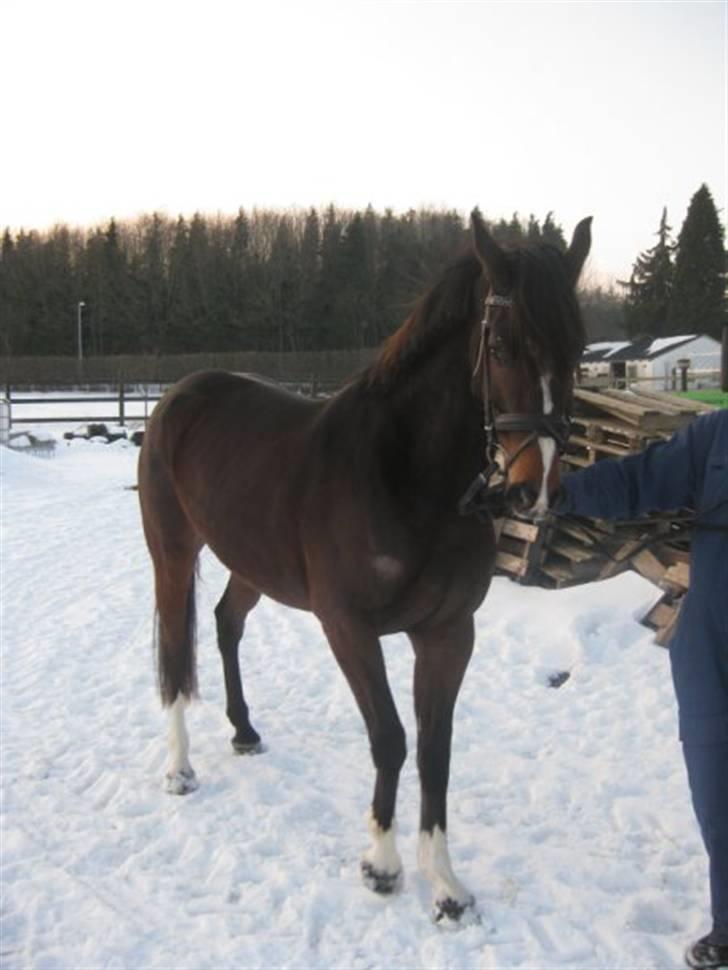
546	313
449	304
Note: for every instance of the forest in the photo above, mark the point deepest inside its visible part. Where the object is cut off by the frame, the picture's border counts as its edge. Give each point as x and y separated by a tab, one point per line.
261	280
287	281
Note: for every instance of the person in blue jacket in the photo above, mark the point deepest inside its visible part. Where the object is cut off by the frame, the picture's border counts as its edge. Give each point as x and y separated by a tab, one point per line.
690	470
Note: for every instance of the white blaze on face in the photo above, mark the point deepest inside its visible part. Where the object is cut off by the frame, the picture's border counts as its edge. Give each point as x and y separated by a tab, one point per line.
548	450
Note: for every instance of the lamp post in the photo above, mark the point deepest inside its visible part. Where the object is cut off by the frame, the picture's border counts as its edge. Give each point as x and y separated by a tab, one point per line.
81	305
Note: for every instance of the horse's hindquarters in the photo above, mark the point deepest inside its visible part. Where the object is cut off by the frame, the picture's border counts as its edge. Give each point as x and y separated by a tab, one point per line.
235	447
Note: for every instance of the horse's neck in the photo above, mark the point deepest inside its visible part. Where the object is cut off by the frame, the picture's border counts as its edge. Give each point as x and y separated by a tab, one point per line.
441	420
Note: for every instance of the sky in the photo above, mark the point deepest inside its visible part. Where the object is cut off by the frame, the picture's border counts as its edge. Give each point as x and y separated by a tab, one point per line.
609	109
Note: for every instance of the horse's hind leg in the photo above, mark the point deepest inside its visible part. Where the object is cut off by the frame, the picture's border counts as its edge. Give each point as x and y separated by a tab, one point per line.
237	601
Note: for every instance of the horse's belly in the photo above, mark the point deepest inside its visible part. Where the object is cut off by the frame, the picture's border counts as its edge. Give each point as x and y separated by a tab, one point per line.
261	552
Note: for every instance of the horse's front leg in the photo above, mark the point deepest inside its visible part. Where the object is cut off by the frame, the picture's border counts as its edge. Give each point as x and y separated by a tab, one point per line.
441	657
359	654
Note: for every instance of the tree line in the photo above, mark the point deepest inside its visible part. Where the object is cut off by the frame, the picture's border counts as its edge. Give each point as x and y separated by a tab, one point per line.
679	287
261	280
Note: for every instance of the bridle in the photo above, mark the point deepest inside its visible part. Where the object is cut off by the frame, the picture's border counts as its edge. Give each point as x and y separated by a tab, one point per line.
481	496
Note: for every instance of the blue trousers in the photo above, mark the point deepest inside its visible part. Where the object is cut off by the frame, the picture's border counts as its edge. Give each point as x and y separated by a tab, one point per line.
699	660
707	766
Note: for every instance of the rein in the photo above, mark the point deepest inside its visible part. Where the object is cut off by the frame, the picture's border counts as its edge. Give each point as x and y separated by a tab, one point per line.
481	497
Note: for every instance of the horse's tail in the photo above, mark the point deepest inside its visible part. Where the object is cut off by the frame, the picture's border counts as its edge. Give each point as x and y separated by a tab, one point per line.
176	647
173	545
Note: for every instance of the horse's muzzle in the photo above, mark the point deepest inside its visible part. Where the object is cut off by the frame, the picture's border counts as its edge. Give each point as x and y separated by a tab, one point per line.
521	498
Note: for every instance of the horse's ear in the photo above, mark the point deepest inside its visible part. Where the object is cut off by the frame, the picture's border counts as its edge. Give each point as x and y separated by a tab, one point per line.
579	248
491	256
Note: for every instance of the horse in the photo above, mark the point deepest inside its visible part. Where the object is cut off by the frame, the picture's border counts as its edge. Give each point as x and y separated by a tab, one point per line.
354	508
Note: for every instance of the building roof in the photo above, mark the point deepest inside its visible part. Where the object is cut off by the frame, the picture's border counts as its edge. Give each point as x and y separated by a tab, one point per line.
603	350
643	348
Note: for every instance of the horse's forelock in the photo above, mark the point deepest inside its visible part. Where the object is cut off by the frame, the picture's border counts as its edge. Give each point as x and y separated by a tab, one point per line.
547	313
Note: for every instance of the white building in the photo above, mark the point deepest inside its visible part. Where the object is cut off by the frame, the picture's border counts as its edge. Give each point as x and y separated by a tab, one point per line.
654	363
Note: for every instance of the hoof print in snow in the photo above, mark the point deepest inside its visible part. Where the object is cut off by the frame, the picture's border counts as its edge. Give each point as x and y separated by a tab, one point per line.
559	678
453	913
384	883
247	747
181	783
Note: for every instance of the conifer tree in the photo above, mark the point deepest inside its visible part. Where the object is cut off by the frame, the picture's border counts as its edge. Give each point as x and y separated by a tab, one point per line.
10	298
551	232
533	230
284	286
152	273
310	268
329	280
649	290
698	303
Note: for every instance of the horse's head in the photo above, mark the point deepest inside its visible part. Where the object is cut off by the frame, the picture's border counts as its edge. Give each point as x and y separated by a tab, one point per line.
528	347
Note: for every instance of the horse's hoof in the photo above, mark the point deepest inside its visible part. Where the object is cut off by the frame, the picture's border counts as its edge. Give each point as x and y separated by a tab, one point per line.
384	883
449	912
247	747
181	782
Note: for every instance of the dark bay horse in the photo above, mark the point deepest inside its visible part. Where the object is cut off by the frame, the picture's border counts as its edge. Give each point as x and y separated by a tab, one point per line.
350	508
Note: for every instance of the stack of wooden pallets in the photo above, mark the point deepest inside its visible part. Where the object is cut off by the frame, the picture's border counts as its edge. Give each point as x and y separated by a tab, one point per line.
567	551
609	424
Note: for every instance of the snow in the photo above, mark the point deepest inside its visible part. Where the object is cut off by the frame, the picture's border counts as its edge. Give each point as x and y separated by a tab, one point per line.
663	343
608	347
569	815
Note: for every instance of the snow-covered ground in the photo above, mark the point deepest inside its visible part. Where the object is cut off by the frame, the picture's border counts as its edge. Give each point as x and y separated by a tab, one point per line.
569	811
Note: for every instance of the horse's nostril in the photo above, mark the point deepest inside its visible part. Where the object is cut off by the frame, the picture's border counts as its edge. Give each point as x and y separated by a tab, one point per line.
521	497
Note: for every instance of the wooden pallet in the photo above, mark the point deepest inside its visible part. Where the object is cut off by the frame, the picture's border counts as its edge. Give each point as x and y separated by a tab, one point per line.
633	409
612	424
663	400
567	551
663	616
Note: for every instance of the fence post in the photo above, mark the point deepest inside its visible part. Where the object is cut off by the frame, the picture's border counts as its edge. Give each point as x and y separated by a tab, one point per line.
724	360
6	421
683	364
121	403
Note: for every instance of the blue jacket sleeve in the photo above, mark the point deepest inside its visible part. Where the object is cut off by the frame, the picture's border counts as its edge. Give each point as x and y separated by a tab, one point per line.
665	476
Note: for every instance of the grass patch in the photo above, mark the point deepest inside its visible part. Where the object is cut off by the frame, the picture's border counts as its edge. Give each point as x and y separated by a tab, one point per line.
711	395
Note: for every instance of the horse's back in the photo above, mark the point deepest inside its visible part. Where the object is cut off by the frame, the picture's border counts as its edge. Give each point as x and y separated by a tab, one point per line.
211	411
236	398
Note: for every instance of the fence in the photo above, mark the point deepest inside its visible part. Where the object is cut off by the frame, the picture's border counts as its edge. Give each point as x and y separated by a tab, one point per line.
118	407
324	367
678	380
127	402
